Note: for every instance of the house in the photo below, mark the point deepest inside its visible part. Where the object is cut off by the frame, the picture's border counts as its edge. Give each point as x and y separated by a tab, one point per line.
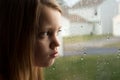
79	25
92	17
87	10
107	10
116	23
65	23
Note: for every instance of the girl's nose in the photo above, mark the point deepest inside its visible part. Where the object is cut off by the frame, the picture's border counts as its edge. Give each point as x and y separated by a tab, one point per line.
54	42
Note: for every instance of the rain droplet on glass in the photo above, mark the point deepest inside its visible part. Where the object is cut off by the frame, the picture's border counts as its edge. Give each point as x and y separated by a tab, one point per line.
74	75
66	79
82	58
108	63
84	53
53	68
81	26
118	51
108	37
114	72
118	57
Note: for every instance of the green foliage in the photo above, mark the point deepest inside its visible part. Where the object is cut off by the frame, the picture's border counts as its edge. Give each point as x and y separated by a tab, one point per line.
116	45
85	67
75	39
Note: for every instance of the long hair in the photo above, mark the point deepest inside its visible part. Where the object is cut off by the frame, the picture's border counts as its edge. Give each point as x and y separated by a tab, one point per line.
52	4
19	21
17	34
46	3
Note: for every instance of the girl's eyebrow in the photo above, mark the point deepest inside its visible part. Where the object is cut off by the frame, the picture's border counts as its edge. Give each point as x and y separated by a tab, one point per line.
47	28
59	27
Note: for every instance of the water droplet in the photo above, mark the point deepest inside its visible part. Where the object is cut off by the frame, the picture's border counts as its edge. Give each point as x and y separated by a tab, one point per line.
66	69
99	23
108	37
53	68
118	57
74	76
84	53
66	79
81	26
104	63
114	72
98	56
98	69
86	71
82	58
97	63
119	51
108	63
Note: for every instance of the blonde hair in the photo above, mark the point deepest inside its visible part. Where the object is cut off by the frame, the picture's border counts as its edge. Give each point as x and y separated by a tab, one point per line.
18	27
45	3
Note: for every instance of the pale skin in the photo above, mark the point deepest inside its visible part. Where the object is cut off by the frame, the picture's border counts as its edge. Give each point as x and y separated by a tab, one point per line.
46	47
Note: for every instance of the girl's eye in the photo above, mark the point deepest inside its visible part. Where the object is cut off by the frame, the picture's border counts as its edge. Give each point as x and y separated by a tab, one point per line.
44	34
59	31
47	34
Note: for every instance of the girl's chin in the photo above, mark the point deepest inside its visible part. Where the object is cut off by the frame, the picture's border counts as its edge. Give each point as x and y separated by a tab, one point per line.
50	63
47	63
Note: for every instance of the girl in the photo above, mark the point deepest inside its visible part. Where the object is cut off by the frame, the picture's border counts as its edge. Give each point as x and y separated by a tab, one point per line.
28	37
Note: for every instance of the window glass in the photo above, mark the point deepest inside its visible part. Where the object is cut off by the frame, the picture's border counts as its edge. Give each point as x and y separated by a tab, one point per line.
90	48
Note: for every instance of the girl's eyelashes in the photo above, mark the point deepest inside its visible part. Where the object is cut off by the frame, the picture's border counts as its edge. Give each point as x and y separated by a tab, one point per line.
44	34
59	31
48	33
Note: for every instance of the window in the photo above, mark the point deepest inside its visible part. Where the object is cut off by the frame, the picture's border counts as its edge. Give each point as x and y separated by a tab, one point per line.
86	56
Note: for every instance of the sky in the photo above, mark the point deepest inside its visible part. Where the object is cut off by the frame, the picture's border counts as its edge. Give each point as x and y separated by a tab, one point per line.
118	0
70	3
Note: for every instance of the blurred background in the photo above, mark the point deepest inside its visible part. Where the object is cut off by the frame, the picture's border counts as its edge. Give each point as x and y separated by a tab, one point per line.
90	41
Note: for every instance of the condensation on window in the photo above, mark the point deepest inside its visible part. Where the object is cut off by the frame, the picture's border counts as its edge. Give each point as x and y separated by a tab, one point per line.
90	48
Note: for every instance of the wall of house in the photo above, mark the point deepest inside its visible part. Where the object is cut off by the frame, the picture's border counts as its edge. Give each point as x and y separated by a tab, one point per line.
116	22
108	9
65	26
65	23
86	13
98	29
101	23
116	25
80	29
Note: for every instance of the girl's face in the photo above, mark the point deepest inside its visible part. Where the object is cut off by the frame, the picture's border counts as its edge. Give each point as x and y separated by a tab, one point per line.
46	46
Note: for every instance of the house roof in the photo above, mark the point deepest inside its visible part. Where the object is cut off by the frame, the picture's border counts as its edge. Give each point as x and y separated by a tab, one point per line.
76	18
81	3
87	3
73	17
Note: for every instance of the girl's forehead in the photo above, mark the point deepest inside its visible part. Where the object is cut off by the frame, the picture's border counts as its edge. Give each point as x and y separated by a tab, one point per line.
45	13
47	10
49	17
49	14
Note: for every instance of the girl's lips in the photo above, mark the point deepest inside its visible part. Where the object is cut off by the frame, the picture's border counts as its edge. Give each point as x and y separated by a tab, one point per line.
54	55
